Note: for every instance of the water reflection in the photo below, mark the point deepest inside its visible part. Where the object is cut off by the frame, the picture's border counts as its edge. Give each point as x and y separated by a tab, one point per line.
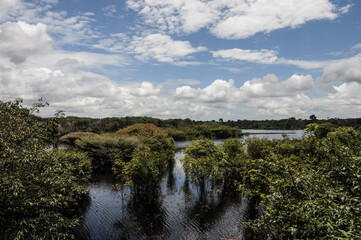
145	218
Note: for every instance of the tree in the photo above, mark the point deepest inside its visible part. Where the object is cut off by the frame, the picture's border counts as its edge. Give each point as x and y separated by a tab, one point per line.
313	118
40	190
203	163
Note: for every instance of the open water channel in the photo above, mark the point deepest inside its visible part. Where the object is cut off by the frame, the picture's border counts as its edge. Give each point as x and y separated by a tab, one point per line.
176	213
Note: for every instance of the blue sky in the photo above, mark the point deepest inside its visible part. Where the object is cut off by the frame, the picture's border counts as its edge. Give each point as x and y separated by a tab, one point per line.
202	59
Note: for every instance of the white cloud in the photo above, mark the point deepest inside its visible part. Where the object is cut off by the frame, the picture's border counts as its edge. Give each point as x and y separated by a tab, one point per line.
220	92
185	92
161	48
304	63
5	5
259	56
175	16
346	8
146	89
109	10
248	18
20	40
264	56
232	19
357	46
267	96
116	43
270	86
344	71
74	30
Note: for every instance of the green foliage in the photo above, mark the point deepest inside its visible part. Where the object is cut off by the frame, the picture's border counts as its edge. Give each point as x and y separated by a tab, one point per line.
152	136
203	162
148	161
77	162
258	148
234	157
145	170
104	149
310	188
70	138
320	130
208	130
40	190
144	130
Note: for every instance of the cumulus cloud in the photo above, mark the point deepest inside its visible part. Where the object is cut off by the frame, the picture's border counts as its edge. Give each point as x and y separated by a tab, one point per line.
219	94
20	40
185	92
161	48
270	86
232	19
146	89
344	71
275	99
264	56
268	96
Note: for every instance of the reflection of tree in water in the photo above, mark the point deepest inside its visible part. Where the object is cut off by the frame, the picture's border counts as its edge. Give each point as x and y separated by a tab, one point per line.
252	213
171	179
80	231
209	207
144	218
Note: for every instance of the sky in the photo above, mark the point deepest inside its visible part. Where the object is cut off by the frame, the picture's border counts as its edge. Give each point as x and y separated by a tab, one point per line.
198	59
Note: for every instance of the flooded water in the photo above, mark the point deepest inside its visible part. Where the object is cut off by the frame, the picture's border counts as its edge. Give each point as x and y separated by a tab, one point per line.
177	212
272	134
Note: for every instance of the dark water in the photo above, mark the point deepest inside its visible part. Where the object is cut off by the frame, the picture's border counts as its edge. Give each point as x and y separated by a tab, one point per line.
177	212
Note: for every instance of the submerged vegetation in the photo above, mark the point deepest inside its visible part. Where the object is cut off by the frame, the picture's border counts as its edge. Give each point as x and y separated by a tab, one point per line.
309	188
305	188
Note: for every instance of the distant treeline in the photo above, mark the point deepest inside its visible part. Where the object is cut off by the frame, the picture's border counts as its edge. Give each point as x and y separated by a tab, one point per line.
179	129
292	123
103	125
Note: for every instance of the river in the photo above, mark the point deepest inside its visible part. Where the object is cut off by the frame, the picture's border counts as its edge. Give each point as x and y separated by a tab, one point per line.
176	213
